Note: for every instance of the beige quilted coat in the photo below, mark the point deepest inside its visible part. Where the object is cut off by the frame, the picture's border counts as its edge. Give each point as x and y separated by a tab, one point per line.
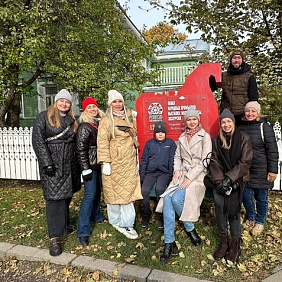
123	185
188	159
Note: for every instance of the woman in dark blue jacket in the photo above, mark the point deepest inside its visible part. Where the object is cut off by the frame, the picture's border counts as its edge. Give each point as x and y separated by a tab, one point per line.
156	167
263	169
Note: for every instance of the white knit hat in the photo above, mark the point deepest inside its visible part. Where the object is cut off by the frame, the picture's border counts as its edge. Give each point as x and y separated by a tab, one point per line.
63	94
114	95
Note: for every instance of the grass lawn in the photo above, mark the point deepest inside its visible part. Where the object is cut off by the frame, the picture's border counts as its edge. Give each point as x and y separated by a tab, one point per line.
22	210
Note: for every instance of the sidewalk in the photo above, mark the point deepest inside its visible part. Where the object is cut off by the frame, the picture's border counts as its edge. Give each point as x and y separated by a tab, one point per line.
128	271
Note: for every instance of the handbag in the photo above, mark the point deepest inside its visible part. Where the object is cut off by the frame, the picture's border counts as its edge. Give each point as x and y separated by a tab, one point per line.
208	177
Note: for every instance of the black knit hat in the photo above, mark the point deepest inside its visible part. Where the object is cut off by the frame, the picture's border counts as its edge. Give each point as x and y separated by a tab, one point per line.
226	114
159	127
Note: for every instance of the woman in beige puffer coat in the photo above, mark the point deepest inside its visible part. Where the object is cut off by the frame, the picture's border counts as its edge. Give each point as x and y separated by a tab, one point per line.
117	154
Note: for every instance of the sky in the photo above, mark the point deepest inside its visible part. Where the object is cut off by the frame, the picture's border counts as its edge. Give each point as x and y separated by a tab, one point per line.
148	16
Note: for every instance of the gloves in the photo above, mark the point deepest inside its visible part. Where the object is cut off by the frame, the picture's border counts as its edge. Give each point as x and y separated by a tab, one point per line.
87	177
224	186
49	170
235	186
106	169
271	176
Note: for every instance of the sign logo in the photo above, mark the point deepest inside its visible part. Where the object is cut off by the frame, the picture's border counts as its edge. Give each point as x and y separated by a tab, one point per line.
155	111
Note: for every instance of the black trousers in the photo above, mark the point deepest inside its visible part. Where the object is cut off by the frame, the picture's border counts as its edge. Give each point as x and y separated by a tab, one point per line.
58	217
161	180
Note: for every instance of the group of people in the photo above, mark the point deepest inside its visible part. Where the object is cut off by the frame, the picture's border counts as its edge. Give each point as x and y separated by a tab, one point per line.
243	162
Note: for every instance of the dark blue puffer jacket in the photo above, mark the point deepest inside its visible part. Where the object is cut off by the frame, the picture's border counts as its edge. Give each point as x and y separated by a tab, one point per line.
265	153
157	157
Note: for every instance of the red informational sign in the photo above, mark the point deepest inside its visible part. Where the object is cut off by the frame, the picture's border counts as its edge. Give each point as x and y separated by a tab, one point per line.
171	106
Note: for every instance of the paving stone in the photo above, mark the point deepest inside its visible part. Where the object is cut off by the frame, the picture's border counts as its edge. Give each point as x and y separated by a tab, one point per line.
36	254
4	247
90	263
163	276
134	272
276	277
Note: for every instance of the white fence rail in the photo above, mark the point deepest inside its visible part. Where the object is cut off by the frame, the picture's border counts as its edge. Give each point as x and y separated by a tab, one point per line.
18	160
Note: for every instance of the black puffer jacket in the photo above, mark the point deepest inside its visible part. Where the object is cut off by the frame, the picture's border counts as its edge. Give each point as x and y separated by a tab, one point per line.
86	146
265	158
60	153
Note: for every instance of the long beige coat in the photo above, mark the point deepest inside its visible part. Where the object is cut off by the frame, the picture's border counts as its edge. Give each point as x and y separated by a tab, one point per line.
123	185
188	159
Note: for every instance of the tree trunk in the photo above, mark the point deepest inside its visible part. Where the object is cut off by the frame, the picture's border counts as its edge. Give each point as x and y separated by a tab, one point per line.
6	106
13	115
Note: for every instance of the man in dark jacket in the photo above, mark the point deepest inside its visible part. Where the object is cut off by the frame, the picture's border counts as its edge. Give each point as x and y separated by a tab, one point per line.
156	167
238	86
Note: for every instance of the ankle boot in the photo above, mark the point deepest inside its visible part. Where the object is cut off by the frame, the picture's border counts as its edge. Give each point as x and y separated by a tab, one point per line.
223	247
161	222
55	247
234	251
195	238
169	250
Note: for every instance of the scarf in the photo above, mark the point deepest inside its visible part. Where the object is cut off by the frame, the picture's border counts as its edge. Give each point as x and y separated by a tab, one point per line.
119	114
189	133
230	158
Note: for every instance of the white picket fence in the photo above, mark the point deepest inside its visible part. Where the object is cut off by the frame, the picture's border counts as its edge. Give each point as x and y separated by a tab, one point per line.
18	160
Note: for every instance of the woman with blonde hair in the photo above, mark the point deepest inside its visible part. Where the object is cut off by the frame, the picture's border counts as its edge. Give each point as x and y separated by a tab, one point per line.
264	167
86	148
117	154
230	162
53	140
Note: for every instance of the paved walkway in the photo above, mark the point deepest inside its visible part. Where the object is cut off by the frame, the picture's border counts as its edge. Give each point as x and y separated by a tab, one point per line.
131	272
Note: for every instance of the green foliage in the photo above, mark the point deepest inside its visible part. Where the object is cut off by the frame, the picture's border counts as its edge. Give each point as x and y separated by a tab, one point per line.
83	45
254	26
23	221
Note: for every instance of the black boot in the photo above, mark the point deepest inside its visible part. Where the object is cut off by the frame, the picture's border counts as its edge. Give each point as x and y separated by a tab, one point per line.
169	250
234	251
161	222
83	241
146	218
195	238
55	247
223	247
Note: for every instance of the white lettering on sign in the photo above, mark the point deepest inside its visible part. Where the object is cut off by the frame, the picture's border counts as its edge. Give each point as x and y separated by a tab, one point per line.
176	113
171	103
174	118
174	108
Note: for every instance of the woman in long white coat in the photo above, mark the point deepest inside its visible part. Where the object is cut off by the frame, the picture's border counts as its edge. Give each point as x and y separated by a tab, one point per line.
186	191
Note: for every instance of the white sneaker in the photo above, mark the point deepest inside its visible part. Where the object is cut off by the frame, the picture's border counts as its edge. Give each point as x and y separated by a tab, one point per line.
126	231
130	233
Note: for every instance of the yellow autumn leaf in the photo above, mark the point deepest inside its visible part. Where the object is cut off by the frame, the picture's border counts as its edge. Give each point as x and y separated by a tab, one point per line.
181	255
203	262
118	255
210	257
241	267
115	272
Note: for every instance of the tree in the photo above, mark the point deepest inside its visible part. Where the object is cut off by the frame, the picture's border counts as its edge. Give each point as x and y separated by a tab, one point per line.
255	26
81	45
163	33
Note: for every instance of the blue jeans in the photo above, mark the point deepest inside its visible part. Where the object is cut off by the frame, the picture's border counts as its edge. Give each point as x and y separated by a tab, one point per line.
256	211
174	202
90	208
121	215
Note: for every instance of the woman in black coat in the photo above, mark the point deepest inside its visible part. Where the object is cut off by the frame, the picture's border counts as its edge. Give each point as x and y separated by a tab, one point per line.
231	159
264	167
53	140
86	148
